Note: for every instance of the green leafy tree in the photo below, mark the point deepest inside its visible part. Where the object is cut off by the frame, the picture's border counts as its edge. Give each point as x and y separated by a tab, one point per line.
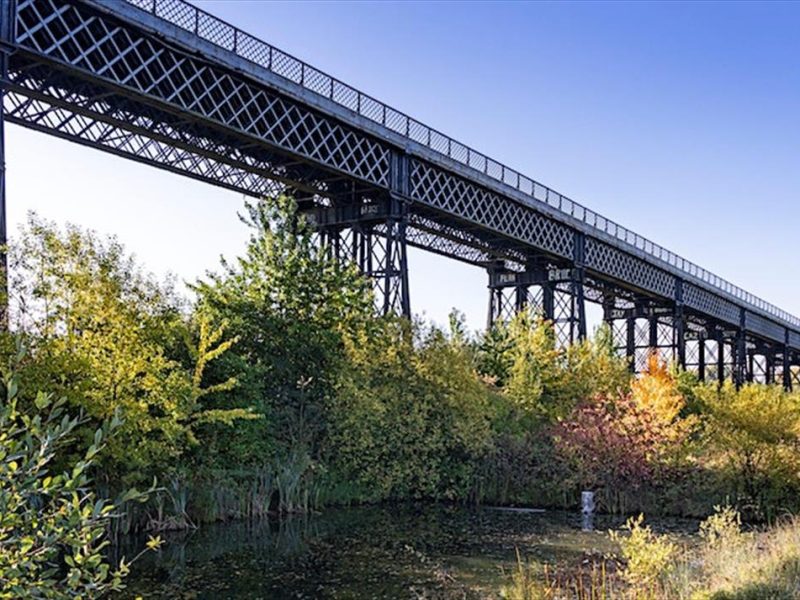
411	417
754	437
52	525
289	305
109	339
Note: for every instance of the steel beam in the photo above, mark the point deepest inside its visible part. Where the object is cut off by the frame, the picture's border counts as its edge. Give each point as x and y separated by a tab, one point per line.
787	363
8	18
680	325
701	357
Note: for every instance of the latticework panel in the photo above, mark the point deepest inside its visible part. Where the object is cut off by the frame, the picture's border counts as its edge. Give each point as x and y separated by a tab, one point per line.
157	72
641	344
693	355
710	304
794	340
625	267
566	313
619	334
440	189
765	327
760	369
86	130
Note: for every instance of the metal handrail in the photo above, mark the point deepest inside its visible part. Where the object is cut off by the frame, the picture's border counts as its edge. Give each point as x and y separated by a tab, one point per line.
244	45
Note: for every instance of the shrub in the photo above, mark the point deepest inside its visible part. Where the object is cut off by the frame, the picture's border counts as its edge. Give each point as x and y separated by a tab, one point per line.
753	436
649	558
52	526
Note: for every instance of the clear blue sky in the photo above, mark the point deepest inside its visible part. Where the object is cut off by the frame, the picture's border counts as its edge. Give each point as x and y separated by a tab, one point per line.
680	121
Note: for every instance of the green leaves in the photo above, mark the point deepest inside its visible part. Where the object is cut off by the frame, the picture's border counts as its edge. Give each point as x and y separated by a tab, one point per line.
46	518
42	400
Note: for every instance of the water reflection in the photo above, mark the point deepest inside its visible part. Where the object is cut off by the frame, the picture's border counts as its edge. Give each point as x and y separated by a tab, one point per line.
369	552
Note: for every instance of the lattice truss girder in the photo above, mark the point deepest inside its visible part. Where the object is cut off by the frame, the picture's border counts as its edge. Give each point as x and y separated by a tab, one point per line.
86	130
61	91
145	67
437	188
454	240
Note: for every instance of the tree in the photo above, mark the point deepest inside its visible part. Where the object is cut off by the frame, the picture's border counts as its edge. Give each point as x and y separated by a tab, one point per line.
110	340
52	526
619	443
754	435
289	304
411	416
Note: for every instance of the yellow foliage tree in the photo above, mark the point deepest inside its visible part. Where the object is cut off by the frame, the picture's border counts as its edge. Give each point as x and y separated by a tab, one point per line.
657	391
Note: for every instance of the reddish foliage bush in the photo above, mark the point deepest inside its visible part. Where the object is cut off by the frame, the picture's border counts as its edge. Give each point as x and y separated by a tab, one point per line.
619	444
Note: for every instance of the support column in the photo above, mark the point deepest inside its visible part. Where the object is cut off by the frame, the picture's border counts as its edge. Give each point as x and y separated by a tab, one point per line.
499	280
787	363
549	301
630	342
740	352
372	234
521	298
652	342
8	13
720	357
769	358
396	295
680	326
701	357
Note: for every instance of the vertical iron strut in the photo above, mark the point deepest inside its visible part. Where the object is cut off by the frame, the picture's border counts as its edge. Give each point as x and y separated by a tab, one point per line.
7	37
740	351
397	296
701	356
787	365
680	326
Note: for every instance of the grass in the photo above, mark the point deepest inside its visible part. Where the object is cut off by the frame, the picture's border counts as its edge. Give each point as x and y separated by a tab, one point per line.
726	564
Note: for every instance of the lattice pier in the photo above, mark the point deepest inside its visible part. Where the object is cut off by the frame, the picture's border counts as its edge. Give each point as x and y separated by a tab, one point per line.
371	235
552	293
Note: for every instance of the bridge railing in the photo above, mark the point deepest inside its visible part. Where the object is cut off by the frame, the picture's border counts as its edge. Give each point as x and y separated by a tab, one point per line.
224	35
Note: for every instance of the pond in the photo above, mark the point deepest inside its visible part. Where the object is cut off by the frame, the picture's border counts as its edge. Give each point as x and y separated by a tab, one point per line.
407	551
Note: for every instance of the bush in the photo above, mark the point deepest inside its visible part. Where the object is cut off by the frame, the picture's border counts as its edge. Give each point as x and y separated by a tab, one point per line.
620	444
753	436
649	558
52	526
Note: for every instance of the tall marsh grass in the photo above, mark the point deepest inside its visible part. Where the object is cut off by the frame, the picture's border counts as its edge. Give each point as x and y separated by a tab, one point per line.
726	563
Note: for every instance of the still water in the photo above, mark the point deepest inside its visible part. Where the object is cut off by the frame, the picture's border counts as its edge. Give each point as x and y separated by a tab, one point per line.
410	551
